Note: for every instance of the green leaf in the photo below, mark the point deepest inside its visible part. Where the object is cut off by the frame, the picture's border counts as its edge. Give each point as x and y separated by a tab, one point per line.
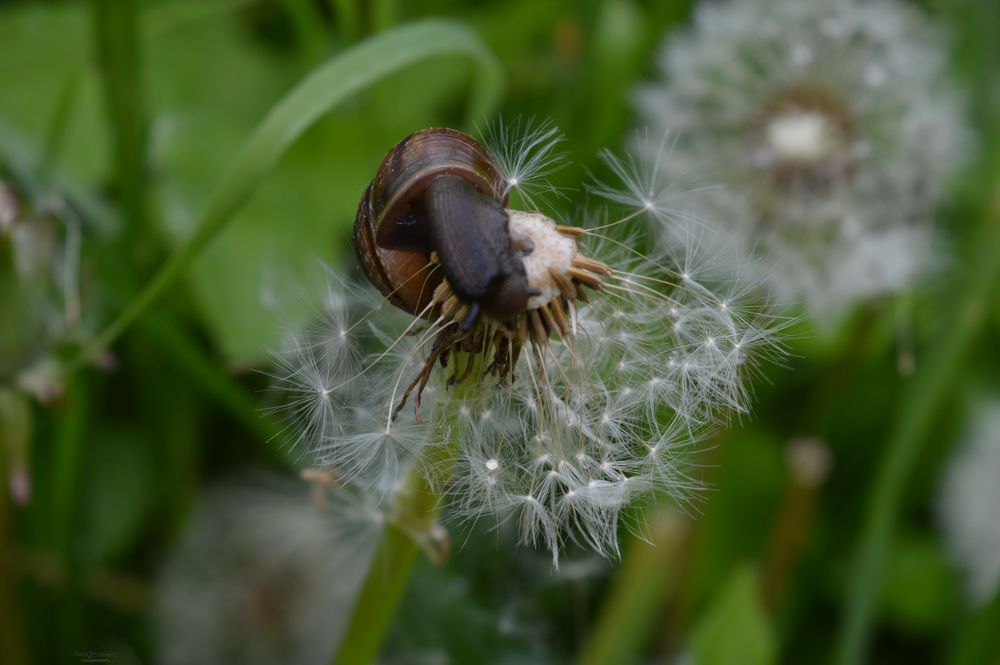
35	78
211	85
734	630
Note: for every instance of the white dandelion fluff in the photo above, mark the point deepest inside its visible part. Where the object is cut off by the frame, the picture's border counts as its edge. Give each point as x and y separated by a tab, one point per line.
969	503
831	127
262	576
557	418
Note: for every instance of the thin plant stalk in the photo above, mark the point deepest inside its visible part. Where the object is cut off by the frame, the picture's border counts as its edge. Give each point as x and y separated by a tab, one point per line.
347	18
15	421
333	82
308	27
416	509
163	17
117	33
62	524
66	467
55	134
931	387
809	462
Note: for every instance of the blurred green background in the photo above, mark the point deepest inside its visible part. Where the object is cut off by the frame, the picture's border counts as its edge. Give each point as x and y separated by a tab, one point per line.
127	116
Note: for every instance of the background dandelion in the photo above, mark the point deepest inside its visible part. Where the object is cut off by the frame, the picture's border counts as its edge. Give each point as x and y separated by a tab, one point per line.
832	128
968	503
263	574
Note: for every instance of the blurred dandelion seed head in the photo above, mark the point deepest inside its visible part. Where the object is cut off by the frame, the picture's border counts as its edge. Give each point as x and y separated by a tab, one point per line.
262	575
969	501
831	127
590	400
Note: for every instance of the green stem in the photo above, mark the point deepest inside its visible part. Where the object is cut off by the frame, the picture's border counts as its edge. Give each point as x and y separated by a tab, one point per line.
15	419
378	599
116	30
415	510
69	444
71	620
306	22
347	18
384	14
327	86
163	17
55	133
920	405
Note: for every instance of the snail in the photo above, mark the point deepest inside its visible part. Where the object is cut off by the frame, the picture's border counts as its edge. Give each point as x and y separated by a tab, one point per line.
434	234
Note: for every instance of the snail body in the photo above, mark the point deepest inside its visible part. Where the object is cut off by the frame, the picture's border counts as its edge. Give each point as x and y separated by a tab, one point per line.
434	235
435	210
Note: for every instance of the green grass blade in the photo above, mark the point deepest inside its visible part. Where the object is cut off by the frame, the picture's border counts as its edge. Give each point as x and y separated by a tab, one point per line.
416	509
117	37
15	432
920	406
328	85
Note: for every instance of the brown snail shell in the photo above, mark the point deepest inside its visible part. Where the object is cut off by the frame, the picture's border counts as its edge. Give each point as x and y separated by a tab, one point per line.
390	230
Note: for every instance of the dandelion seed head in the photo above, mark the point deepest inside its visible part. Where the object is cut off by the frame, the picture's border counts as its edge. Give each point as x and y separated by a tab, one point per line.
551	252
561	416
968	502
829	126
250	578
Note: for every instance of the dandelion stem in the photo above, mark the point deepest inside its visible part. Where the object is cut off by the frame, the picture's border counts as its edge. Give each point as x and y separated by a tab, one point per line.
323	89
931	386
379	597
14	424
416	510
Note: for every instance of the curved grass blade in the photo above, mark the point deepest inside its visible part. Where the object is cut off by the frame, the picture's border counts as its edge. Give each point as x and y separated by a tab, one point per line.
327	86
